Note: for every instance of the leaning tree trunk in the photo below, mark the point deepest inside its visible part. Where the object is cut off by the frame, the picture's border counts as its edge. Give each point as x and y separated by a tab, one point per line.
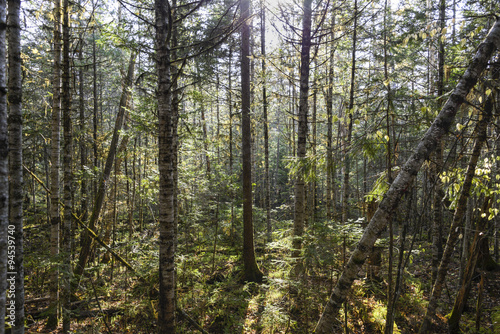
15	125
408	172
4	151
252	271
300	212
481	136
103	180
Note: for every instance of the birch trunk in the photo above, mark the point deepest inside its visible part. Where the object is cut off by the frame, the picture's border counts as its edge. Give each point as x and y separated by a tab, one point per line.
4	151
15	127
402	182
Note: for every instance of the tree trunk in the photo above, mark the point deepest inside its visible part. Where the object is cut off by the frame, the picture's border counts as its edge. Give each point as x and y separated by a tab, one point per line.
103	180
68	185
267	185
83	135
466	281
230	111
205	138
252	271
349	112
166	165
95	108
55	143
314	184
481	136
300	214
437	211
437	221
329	112
15	126
389	322
4	168
466	237
408	172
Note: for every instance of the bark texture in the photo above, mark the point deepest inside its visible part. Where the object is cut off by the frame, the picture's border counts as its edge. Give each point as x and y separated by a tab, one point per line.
402	182
166	165
300	197
55	147
4	150
267	184
349	111
66	242
15	126
252	271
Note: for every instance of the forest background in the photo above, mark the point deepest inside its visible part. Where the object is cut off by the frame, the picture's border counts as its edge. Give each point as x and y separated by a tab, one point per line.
249	166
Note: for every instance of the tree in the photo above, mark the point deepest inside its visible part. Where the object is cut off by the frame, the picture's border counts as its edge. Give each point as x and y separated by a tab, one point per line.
15	125
438	284
300	198
4	152
67	169
405	177
55	215
103	181
267	184
350	112
166	166
252	271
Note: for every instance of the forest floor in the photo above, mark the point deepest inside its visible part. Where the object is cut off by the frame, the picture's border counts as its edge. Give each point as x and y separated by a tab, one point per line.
211	291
